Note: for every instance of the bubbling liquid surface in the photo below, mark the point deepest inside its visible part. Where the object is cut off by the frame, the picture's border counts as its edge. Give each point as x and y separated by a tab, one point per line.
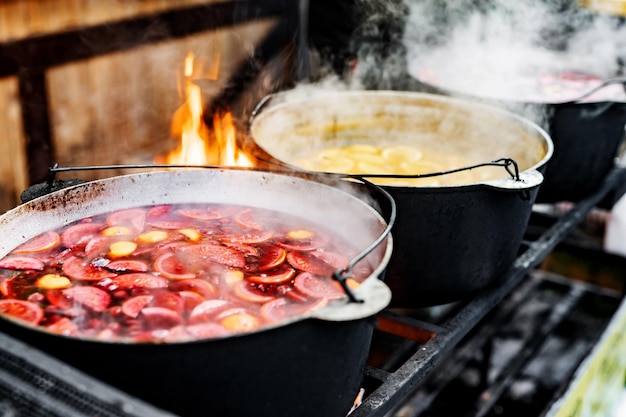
174	273
358	159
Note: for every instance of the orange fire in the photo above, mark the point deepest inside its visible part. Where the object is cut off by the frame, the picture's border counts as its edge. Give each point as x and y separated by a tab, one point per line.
200	145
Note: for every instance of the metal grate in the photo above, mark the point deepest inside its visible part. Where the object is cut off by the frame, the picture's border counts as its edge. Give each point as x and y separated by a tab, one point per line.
34	384
515	361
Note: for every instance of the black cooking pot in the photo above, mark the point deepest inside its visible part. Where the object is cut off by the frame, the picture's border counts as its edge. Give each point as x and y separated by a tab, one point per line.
587	135
452	240
311	365
587	140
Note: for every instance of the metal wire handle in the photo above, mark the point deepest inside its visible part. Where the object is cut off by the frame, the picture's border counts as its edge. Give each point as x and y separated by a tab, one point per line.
341	275
508	164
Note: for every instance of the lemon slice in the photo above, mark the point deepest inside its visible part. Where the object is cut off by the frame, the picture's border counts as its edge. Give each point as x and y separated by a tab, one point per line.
331	153
367	158
374	168
361	148
339	164
420	167
399	154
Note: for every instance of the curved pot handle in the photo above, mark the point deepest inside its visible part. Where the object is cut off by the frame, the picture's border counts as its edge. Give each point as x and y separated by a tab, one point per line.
517	180
525	181
605	83
375	294
265	101
341	275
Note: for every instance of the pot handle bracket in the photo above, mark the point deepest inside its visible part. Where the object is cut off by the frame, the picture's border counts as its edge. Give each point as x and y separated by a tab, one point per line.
341	275
519	181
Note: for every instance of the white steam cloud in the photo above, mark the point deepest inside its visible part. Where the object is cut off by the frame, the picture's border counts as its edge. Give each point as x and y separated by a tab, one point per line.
484	48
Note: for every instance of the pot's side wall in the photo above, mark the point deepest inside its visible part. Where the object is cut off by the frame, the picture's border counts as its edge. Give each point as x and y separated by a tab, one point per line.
308	369
451	244
587	137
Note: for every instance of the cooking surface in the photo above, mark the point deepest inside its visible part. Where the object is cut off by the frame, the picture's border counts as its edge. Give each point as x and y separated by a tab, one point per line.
509	351
421	362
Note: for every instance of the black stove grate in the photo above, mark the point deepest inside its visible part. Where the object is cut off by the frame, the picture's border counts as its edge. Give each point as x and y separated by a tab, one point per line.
33	384
515	362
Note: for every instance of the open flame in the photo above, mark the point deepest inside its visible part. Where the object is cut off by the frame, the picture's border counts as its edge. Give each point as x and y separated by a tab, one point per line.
200	145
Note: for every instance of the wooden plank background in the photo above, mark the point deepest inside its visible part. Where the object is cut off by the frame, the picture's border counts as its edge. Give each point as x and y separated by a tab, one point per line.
24	18
112	109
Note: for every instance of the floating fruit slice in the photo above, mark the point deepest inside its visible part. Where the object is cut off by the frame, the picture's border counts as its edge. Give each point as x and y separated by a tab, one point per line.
23	310
127	265
133	306
161	317
200	286
250	237
339	164
204	214
64	326
58	299
191	299
153	236
246	218
39	243
303	241
334	259
79	234
117	231
98	246
266	257
206	310
168	299
21	263
317	287
139	280
191	234
169	266
206	330
135	218
400	153
241	322
420	167
122	248
157	211
246	291
305	261
361	148
91	297
232	276
77	268
375	167
215	253
277	276
282	309
169	224
53	282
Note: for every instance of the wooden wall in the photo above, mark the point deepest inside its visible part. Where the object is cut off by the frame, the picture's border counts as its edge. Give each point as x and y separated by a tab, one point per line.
24	18
114	108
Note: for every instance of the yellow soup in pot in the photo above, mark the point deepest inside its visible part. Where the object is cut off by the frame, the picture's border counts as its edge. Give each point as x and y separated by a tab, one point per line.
360	158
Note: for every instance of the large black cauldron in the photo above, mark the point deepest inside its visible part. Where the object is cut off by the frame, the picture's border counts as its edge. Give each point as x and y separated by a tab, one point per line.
312	365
